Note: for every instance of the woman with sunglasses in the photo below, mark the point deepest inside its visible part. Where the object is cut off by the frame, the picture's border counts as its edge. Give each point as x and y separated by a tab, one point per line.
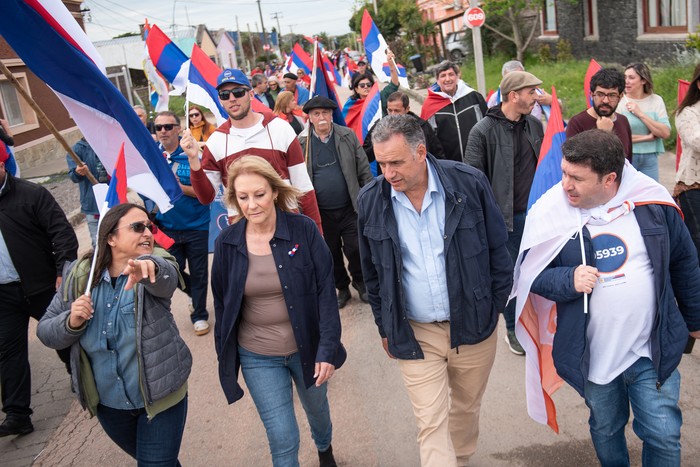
199	126
273	87
648	119
285	105
361	86
277	316
129	364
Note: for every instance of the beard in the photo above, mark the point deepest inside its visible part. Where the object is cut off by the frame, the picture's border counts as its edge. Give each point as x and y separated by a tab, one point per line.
245	110
606	111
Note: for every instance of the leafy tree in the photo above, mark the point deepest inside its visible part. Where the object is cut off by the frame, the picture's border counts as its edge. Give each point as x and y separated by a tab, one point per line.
126	34
520	21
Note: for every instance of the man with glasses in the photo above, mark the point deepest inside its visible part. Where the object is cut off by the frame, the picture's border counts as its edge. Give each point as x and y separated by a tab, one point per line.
607	86
247	133
187	223
338	168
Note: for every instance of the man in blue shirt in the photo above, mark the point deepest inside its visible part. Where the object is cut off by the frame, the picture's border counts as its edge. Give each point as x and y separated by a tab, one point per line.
187	222
437	272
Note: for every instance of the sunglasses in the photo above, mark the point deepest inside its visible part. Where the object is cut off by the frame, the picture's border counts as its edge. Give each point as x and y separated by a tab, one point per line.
166	126
140	227
364	85
196	115
237	93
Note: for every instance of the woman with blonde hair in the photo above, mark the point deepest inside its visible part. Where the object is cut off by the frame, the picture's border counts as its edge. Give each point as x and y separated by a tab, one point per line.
285	106
199	126
648	119
277	316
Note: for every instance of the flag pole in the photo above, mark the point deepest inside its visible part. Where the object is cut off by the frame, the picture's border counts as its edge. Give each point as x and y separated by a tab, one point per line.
44	119
314	71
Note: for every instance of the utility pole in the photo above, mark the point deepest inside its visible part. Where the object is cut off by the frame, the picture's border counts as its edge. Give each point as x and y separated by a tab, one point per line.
276	16
252	44
240	44
262	24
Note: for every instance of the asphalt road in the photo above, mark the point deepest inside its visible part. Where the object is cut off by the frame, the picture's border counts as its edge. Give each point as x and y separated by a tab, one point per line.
372	417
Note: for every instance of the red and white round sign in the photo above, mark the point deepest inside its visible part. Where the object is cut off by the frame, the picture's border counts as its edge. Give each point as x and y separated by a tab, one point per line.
474	17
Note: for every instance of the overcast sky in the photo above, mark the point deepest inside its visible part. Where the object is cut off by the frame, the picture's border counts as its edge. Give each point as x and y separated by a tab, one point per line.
114	17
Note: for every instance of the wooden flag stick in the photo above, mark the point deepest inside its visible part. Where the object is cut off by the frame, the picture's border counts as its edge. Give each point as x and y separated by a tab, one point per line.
44	119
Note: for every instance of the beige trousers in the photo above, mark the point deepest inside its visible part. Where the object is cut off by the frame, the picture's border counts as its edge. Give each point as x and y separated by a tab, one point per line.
445	389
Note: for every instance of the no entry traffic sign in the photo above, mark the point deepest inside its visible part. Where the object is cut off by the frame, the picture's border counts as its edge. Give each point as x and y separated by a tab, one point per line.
474	17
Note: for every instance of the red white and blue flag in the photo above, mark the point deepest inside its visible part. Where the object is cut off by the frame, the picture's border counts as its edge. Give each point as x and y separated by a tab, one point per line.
168	59
299	59
157	84
201	86
47	38
360	115
593	68
116	192
8	157
322	85
376	46
548	171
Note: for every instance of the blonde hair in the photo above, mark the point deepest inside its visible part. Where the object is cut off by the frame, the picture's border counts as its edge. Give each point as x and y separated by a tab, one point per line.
287	198
283	100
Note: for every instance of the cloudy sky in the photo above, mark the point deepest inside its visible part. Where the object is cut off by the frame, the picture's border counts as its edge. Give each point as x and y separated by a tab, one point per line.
113	17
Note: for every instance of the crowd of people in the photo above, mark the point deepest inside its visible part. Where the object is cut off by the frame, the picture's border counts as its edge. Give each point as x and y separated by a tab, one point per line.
430	213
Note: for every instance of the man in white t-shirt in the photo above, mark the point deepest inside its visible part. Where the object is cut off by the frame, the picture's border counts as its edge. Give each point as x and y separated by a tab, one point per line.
642	284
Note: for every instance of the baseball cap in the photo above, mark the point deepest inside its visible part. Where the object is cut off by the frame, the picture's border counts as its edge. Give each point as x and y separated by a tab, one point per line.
232	75
516	80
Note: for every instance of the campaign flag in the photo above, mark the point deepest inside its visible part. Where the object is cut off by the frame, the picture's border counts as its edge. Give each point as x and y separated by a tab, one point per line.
7	156
322	85
593	68
290	65
201	86
548	172
116	193
361	115
331	70
301	59
435	101
45	35
157	84
376	46
168	59
682	91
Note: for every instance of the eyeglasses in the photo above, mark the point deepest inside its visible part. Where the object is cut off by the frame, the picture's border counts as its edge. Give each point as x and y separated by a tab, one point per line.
364	85
237	93
166	126
140	227
196	115
613	96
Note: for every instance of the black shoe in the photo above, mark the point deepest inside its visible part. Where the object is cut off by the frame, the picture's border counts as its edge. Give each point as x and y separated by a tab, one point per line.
362	290
343	297
18	426
326	459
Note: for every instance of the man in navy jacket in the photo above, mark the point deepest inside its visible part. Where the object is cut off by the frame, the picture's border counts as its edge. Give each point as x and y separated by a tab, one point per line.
642	284
437	271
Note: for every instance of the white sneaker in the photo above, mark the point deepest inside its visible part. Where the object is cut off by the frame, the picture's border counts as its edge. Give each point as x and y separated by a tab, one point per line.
201	327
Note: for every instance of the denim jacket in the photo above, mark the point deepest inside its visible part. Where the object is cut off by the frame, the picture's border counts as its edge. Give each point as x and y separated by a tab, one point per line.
477	263
305	268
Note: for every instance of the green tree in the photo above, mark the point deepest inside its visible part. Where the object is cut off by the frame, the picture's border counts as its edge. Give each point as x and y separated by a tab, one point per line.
521	21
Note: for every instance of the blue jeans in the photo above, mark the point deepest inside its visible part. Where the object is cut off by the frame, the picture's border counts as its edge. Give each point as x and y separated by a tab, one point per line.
151	443
513	245
192	246
657	417
648	164
269	380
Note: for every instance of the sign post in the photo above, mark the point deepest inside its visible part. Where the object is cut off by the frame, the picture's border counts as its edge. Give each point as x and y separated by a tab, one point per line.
474	18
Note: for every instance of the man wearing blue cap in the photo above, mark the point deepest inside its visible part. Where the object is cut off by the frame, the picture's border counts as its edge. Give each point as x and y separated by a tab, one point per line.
247	133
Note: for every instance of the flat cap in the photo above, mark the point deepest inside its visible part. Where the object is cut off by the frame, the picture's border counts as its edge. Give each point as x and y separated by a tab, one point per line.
516	80
319	102
291	76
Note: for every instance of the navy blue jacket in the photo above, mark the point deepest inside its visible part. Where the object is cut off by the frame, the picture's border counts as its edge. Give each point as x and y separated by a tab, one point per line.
478	267
676	279
308	286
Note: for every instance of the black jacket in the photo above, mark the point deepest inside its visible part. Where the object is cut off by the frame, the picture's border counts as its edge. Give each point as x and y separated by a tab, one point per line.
477	263
432	143
490	149
38	236
453	122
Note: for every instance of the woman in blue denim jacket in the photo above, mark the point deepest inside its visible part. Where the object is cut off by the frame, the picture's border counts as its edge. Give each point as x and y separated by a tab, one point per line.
276	309
129	364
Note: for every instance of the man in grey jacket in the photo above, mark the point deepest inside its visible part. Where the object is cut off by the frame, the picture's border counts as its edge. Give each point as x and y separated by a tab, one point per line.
505	145
338	168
